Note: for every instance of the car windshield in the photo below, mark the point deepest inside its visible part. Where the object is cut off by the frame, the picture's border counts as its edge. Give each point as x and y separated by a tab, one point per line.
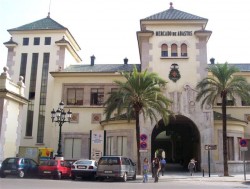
85	162
11	161
109	161
49	163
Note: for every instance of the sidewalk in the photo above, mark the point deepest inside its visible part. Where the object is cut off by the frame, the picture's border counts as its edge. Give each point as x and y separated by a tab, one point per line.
198	176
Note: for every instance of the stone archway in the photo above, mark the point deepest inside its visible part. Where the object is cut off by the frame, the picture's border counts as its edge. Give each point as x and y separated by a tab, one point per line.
179	140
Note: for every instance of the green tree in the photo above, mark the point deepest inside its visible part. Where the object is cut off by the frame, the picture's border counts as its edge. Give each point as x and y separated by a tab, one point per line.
141	92
224	84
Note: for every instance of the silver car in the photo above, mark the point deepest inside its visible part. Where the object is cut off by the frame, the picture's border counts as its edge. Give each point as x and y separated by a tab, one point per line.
116	167
84	168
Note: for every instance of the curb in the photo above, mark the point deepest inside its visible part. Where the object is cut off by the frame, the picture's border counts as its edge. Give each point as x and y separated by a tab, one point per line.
212	178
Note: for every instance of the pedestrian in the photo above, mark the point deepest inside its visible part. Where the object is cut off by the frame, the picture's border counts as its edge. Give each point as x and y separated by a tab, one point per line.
156	168
163	165
145	170
191	166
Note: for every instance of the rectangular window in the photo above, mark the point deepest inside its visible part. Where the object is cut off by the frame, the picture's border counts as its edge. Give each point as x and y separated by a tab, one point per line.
32	92
246	153
47	41
122	146
73	148
164	53
30	115
245	103
230	148
25	41
96	96
238	148
174	54
110	145
229	103
184	54
113	90
33	76
43	97
75	96
37	41
24	57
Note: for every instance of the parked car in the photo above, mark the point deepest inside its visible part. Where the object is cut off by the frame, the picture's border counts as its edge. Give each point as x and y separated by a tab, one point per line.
116	167
84	168
55	168
18	166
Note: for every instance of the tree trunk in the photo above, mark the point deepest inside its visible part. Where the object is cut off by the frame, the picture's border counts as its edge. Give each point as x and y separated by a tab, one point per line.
224	132
138	142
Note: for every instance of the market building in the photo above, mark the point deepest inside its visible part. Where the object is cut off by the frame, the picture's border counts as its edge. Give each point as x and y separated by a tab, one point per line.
171	43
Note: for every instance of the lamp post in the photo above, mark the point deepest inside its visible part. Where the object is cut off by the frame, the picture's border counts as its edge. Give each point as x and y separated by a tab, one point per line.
61	117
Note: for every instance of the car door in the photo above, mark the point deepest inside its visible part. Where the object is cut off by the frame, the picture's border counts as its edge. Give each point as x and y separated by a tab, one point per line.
132	167
33	167
26	165
128	167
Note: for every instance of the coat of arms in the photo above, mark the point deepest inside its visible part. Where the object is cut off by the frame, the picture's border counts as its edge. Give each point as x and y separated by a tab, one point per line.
174	73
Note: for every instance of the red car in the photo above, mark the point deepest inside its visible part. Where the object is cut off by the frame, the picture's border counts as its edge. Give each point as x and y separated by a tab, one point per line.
54	168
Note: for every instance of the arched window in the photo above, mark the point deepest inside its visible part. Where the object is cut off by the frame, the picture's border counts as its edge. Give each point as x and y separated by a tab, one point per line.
164	50
174	50
183	49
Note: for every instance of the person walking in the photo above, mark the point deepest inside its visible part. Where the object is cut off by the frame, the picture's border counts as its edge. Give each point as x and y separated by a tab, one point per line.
191	166
163	165
156	168
145	170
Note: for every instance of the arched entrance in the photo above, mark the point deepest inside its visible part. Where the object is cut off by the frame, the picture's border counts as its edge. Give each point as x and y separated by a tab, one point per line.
179	141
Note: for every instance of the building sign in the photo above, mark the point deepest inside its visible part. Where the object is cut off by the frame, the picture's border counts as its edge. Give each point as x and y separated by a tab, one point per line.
97	144
174	33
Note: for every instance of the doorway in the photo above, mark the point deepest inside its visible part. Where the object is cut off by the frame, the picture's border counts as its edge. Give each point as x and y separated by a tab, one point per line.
178	142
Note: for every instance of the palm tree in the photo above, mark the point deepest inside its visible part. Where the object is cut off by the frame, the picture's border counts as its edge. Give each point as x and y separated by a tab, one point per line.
224	84
140	93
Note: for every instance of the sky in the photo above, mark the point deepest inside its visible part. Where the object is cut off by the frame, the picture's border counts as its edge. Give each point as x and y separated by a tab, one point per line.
107	28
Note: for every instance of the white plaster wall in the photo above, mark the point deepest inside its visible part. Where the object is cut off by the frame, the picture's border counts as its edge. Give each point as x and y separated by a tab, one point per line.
12	130
187	66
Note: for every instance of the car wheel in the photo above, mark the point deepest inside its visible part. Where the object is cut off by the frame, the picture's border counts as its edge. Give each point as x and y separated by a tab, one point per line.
21	174
94	177
2	175
100	179
73	177
125	177
134	177
59	176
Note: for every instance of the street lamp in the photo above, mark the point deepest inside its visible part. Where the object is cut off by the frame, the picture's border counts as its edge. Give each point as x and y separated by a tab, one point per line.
60	116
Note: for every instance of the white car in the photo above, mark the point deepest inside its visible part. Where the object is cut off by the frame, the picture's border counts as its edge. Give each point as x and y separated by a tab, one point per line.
84	168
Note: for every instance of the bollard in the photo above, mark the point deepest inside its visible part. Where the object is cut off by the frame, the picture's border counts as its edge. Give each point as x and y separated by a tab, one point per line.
203	172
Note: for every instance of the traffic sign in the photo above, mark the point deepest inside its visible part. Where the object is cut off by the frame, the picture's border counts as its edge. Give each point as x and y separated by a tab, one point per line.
243	142
210	147
244	149
143	145
143	137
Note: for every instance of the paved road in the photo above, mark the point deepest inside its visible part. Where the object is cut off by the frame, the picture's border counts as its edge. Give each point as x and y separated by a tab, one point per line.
176	183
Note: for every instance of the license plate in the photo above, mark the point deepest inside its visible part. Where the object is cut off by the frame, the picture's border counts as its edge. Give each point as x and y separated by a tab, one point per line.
107	171
7	171
46	171
81	167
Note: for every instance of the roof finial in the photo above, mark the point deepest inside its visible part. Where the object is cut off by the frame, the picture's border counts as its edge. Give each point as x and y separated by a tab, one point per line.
171	5
49	9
